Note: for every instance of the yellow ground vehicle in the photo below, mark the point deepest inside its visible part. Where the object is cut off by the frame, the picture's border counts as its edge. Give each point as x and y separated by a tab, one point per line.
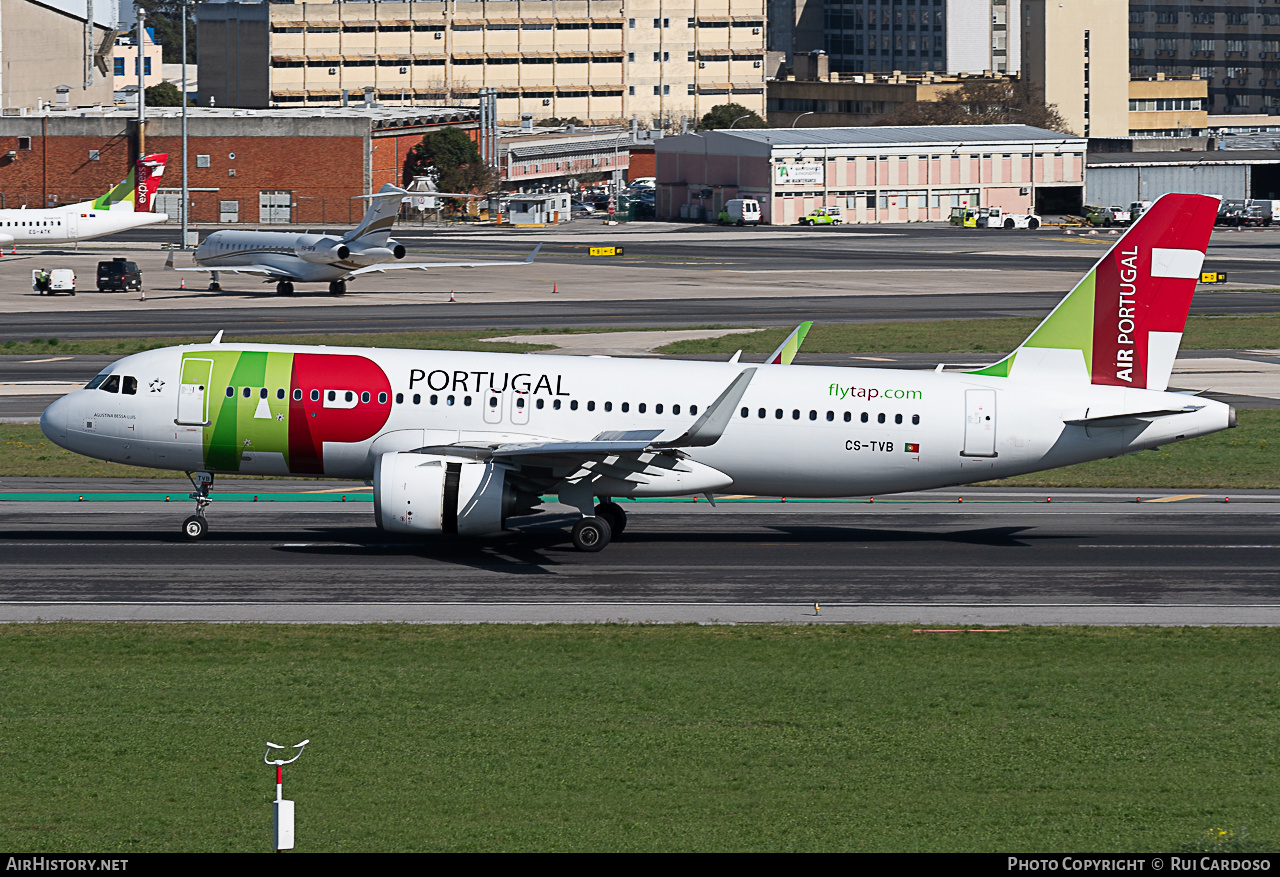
965	217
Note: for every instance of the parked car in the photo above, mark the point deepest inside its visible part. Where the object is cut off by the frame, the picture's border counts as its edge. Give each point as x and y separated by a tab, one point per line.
53	282
119	275
644	183
823	216
740	211
581	208
1107	216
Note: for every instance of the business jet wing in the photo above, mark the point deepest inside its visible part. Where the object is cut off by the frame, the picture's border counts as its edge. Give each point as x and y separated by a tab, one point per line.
628	455
430	266
260	270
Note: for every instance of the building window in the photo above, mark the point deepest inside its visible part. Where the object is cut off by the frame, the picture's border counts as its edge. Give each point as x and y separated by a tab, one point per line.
119	66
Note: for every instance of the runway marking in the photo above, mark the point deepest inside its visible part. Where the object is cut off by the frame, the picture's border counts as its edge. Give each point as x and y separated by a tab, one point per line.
1180	546
51	359
338	490
1178	498
874	358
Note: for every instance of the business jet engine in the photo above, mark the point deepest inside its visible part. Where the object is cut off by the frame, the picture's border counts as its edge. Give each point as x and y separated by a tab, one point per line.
426	493
321	249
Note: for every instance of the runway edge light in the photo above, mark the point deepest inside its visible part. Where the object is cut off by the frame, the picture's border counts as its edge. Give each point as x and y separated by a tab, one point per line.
282	810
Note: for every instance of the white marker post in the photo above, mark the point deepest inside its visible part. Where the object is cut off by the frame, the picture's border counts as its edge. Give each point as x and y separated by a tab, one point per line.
282	810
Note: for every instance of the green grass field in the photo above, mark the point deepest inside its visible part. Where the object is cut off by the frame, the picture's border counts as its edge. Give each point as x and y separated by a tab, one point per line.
120	738
1245	457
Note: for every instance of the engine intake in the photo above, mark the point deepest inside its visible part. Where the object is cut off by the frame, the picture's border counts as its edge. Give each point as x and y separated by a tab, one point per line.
426	493
321	249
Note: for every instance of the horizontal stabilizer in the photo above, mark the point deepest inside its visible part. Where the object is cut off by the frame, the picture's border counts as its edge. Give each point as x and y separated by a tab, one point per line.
1131	418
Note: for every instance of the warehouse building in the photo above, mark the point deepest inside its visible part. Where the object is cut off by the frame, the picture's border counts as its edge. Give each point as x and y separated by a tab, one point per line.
1122	178
883	174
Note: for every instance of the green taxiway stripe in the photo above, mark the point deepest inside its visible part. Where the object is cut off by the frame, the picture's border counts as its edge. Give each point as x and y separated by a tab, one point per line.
354	496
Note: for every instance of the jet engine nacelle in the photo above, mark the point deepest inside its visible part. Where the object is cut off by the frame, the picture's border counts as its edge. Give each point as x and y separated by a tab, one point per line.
366	255
426	493
321	249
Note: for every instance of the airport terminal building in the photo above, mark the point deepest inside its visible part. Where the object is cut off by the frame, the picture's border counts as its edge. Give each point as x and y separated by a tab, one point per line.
876	175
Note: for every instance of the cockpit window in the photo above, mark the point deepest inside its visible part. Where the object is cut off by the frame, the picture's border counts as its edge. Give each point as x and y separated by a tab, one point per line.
96	382
111	385
130	387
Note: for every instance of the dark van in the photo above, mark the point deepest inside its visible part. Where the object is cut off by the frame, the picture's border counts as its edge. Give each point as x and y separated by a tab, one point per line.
118	275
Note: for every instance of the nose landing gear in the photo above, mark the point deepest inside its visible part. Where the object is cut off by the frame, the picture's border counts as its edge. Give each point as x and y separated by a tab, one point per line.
195	527
338	287
284	287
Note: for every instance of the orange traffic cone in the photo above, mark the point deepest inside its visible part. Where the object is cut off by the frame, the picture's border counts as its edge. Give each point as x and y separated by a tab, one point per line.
144	295
451	298
555	288
184	283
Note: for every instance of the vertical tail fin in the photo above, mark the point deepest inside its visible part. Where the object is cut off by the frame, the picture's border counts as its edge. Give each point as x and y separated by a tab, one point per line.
137	191
788	349
375	228
1122	324
148	171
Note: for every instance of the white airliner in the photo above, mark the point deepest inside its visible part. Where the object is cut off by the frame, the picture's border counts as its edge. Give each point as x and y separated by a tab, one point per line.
126	206
458	442
286	258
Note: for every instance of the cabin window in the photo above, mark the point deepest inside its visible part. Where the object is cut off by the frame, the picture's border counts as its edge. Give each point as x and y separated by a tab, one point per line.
641	408
915	419
813	415
897	418
466	400
349	396
231	391
795	413
864	417
315	395
520	403
112	385
745	412
448	400
573	405
693	409
399	398
493	401
778	414
760	413
130	386
880	418
848	416
435	400
382	398
262	394
541	403
556	404
657	409
608	406
831	415
333	395
364	397
626	406
591	406
279	394
417	398
675	409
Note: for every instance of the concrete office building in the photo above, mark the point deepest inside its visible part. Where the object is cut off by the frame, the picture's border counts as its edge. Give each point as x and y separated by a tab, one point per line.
876	175
1233	45
601	62
1073	51
56	53
915	36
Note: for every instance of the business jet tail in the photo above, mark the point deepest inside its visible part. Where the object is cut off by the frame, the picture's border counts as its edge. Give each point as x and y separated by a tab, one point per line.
375	228
1122	324
137	191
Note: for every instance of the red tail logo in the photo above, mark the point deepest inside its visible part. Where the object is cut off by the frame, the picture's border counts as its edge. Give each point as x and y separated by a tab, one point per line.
147	173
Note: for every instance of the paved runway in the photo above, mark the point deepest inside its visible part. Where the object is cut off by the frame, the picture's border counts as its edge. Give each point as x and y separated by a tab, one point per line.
1000	557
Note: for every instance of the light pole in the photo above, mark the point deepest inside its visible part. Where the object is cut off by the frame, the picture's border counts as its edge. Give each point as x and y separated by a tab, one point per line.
801	116
142	90
186	191
739	119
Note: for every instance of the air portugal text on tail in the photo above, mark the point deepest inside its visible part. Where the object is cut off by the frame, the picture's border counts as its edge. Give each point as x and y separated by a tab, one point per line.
456	443
128	204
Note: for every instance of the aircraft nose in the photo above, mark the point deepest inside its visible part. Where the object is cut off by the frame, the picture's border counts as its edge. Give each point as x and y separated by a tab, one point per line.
53	422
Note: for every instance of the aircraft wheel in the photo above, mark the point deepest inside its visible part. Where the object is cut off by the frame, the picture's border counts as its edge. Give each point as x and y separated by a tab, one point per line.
614	514
338	287
591	534
195	527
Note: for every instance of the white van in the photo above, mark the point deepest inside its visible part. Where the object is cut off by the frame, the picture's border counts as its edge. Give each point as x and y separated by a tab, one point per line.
740	211
55	281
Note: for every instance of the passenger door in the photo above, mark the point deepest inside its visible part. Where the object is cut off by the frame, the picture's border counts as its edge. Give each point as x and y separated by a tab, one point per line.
193	392
979	423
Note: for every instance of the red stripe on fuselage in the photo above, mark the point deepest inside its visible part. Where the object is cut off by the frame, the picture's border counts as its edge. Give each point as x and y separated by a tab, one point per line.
311	424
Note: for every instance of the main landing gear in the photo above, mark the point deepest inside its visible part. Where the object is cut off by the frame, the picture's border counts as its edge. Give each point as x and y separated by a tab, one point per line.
195	527
593	534
338	287
284	287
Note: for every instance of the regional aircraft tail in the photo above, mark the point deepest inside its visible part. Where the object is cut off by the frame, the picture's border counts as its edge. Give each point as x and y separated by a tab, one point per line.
137	191
1122	324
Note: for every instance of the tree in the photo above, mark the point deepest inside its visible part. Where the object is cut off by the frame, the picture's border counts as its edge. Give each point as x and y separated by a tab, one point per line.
1006	102
165	18
166	94
724	115
453	159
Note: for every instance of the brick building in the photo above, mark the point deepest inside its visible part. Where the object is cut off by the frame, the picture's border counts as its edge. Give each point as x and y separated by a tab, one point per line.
263	166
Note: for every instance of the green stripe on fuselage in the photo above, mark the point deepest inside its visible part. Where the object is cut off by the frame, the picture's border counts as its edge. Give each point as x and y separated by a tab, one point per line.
237	426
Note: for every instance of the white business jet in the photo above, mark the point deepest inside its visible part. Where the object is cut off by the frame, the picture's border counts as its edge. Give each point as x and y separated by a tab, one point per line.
456	443
286	258
127	205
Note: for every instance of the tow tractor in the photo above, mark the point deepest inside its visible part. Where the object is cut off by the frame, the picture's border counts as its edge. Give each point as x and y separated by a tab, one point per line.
992	217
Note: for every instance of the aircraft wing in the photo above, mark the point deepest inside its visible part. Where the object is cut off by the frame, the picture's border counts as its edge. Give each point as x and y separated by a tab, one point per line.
628	455
429	266
262	270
